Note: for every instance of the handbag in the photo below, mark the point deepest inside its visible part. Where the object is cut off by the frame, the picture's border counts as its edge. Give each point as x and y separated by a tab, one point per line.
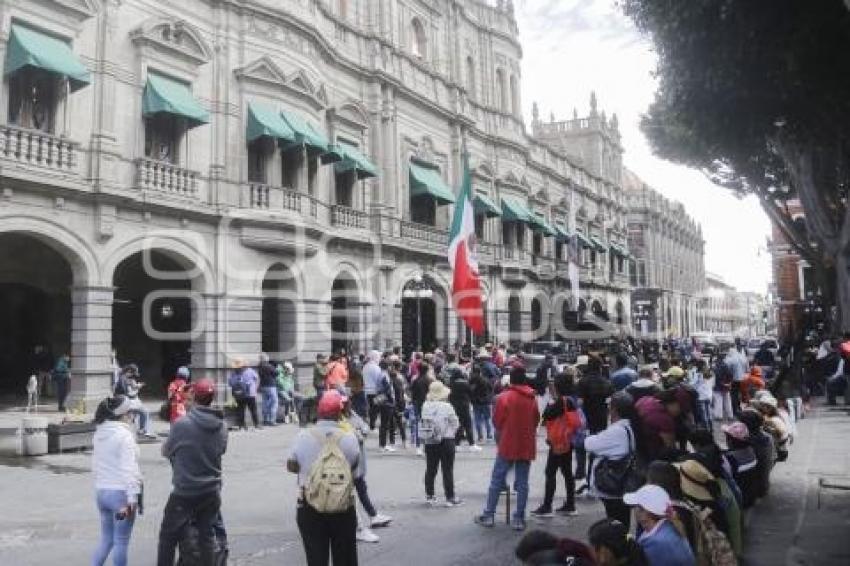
616	477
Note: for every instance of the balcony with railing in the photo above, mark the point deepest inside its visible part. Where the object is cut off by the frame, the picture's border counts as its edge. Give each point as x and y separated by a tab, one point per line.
163	177
259	196
347	217
38	149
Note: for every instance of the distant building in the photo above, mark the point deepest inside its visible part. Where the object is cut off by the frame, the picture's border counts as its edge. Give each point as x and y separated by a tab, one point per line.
668	251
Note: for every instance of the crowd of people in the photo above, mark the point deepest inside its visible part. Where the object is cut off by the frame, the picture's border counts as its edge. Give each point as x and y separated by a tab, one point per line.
638	437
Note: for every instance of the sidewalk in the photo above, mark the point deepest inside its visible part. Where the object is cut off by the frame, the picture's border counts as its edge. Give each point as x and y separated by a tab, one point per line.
788	528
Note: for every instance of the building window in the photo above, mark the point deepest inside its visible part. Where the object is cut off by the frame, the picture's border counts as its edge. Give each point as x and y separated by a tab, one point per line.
479	227
257	161
501	91
292	161
423	210
33	98
559	250
514	96
537	244
344	188
470	77
162	137
419	41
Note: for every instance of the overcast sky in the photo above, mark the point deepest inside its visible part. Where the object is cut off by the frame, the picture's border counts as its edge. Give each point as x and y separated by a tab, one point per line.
574	46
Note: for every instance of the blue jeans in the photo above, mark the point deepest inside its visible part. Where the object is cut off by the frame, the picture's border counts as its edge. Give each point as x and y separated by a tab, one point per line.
481	414
498	483
114	534
269	405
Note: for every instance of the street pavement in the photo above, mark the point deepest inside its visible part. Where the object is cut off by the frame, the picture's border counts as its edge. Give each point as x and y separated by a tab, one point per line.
49	517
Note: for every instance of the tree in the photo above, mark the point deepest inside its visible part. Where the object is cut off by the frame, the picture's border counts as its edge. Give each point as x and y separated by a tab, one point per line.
756	94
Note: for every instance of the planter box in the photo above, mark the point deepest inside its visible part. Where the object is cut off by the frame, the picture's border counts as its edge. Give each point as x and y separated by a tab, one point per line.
69	436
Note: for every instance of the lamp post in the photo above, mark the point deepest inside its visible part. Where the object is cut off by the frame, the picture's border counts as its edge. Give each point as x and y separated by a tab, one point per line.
418	289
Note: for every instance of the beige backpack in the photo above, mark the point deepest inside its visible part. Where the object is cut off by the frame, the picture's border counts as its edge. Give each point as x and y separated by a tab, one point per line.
330	485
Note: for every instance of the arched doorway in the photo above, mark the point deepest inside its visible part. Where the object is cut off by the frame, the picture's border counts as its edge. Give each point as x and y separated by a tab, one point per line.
35	309
419	324
598	311
280	316
582	310
620	312
345	313
514	319
152	315
536	317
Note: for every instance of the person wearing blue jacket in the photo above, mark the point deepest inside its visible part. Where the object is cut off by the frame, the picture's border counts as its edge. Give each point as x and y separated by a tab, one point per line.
661	541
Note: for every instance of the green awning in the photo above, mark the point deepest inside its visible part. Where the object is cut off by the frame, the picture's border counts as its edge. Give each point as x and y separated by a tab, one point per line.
164	95
598	244
30	48
515	210
485	205
561	233
540	224
306	133
353	160
265	121
426	181
584	241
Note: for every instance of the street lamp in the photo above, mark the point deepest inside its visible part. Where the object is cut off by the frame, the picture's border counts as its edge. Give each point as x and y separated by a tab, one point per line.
418	289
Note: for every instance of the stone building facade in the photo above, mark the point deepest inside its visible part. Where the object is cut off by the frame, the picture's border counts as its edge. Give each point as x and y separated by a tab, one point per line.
668	277
188	182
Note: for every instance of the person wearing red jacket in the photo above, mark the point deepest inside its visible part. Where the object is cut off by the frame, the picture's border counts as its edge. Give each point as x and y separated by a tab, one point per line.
516	418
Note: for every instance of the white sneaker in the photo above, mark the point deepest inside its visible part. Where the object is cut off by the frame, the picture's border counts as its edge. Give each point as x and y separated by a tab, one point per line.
366	535
419	451
389	448
475	448
379	521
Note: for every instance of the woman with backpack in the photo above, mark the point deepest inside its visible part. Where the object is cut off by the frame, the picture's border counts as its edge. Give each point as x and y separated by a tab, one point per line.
437	428
244	383
562	421
117	478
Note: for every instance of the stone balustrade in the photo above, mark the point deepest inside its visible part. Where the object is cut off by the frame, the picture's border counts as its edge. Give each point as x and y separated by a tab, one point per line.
163	177
347	217
34	147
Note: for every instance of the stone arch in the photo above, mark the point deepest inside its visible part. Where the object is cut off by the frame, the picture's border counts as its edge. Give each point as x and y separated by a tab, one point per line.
189	256
281	312
354	112
85	266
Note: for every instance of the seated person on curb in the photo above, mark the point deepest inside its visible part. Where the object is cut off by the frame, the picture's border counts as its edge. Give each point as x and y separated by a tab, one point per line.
661	541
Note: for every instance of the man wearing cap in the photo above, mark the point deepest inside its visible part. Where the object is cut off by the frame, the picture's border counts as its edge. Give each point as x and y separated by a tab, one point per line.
325	534
195	446
742	460
661	542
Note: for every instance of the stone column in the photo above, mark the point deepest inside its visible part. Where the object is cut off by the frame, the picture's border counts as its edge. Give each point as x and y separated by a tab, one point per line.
91	347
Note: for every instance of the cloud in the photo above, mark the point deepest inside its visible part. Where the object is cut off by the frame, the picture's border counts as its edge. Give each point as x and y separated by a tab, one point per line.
574	46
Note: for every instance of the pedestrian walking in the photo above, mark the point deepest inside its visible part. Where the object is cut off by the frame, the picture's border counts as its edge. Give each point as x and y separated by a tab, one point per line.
320	372
32	393
243	383
179	391
437	429
371	379
117	478
62	380
593	389
516	418
268	389
461	400
481	390
130	385
400	402
385	404
562	421
288	398
419	388
194	448
326	515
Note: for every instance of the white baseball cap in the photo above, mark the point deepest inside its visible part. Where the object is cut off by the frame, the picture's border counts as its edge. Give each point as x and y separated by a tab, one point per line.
651	497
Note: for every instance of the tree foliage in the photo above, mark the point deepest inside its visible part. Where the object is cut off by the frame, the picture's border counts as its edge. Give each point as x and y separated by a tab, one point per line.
756	93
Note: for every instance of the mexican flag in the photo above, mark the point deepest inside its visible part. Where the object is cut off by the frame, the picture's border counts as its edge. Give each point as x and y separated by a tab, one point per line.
463	245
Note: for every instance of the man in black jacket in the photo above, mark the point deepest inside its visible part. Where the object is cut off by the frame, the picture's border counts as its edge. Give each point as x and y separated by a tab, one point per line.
418	393
461	399
593	389
195	446
482	402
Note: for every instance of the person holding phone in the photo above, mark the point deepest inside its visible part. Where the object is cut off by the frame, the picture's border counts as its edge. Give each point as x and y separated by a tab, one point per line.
117	477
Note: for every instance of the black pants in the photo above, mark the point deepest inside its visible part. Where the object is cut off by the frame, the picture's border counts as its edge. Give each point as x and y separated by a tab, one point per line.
62	387
465	429
251	404
373	410
363	496
436	456
179	512
398	424
328	534
735	395
616	509
387	427
564	463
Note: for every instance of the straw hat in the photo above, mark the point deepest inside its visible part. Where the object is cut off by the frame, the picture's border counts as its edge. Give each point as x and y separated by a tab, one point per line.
695	480
438	392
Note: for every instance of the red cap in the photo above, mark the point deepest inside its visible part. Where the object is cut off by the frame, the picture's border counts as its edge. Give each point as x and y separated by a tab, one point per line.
202	387
845	348
331	404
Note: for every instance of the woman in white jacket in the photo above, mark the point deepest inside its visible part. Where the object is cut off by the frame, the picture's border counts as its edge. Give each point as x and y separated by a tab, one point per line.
437	428
117	478
616	442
